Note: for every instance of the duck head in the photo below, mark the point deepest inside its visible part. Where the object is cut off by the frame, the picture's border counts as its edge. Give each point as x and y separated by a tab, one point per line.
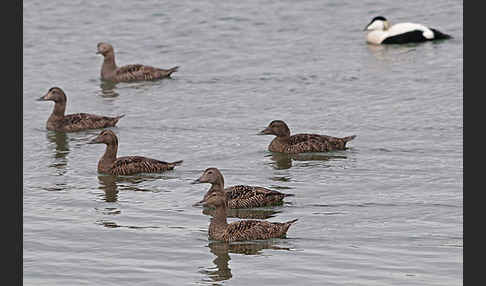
107	137
277	128
55	94
212	176
215	200
379	23
105	49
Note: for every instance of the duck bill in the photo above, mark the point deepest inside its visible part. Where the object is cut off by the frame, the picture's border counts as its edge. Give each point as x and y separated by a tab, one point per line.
42	98
197	181
266	131
200	203
95	140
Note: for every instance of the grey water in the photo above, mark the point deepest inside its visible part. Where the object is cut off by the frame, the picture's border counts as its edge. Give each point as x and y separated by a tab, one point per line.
387	211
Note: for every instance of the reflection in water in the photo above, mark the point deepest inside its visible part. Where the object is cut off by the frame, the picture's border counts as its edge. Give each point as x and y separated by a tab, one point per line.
392	53
108	184
284	161
256	213
60	140
281	161
108	89
112	224
222	249
57	187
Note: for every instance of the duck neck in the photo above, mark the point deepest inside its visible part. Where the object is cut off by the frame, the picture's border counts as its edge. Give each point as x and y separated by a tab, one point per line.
109	157
283	138
219	218
109	65
59	110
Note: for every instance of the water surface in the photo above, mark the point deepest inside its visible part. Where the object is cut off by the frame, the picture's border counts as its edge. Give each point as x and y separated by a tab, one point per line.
388	211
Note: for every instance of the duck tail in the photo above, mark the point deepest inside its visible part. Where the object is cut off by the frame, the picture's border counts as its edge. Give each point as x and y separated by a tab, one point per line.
292	221
177	163
171	70
439	35
288	195
114	120
348	138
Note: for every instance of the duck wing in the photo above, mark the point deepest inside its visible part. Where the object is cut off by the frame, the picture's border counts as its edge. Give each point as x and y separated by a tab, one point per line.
316	143
242	196
81	121
255	229
137	164
141	72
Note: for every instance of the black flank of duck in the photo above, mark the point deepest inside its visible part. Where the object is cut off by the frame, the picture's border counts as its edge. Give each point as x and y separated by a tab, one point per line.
111	72
219	229
58	121
301	143
127	165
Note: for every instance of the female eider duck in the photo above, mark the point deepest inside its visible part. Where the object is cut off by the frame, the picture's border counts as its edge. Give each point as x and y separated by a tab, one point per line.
383	33
127	165
301	143
242	196
137	72
73	122
219	229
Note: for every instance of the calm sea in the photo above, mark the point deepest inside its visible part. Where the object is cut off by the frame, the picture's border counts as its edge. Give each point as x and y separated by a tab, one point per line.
388	211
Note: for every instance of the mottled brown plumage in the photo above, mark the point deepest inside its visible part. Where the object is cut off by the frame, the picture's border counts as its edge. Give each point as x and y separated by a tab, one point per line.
251	213
127	165
73	122
111	72
300	143
219	229
242	196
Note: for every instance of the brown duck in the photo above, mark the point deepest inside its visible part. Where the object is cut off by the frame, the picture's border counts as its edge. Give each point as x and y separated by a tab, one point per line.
137	72
219	229
127	165
242	196
300	143
73	122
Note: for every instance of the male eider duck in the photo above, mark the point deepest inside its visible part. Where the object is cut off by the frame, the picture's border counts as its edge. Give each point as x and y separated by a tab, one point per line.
383	33
242	196
127	165
137	72
219	229
73	122
301	143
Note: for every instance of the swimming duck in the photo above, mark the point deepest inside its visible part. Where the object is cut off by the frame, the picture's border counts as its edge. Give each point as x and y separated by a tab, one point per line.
383	33
219	229
243	196
127	165
300	143
73	122
137	72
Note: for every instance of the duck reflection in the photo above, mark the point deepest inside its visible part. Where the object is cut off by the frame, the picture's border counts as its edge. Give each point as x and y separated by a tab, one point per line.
112	224
108	185
392	53
283	161
257	213
222	249
108	89
111	184
61	145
